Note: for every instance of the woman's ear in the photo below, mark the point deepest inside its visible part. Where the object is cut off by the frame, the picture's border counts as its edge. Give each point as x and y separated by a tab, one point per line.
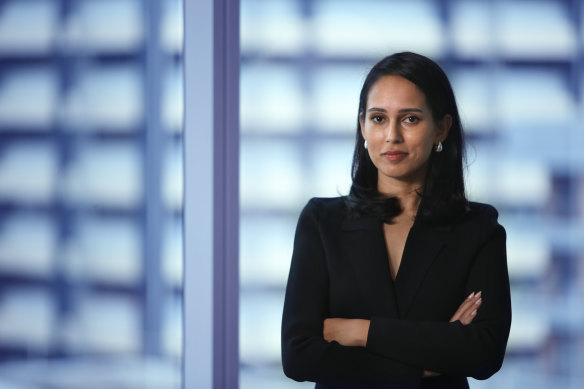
444	126
362	124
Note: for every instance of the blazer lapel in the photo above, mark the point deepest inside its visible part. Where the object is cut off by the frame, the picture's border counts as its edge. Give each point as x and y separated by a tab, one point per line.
364	245
422	247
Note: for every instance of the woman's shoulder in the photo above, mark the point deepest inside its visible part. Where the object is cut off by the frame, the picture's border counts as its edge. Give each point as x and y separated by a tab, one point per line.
482	216
327	203
325	207
476	209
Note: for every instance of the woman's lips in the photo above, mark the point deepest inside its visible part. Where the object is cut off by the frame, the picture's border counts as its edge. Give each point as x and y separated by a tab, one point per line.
395	155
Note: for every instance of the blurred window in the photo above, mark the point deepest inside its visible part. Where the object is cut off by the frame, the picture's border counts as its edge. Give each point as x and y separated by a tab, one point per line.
516	67
91	110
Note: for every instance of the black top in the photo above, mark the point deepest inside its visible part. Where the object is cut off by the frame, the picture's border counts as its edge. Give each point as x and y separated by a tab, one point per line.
340	269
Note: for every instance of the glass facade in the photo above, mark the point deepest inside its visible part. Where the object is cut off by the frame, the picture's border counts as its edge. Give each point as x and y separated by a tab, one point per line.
516	68
91	110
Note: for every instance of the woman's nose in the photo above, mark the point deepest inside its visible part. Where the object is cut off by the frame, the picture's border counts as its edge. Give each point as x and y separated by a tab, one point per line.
393	133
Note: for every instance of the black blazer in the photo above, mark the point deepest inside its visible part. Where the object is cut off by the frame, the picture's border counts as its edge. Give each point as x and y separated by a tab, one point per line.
340	269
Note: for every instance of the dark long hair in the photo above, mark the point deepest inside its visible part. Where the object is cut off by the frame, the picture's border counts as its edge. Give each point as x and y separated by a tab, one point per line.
443	195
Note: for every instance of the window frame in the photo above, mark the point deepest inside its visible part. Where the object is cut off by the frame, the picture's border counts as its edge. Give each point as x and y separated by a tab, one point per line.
211	195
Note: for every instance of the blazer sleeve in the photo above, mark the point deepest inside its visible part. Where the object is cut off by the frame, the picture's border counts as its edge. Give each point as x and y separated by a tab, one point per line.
475	350
306	356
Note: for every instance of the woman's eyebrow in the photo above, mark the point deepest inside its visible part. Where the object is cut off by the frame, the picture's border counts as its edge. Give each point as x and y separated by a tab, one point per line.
375	109
410	110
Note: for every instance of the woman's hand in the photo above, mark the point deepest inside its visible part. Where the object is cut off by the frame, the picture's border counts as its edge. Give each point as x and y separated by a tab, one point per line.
465	313
348	332
468	309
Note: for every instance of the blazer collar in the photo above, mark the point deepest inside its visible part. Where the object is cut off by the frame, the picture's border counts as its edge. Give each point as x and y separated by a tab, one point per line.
363	245
371	263
363	223
423	245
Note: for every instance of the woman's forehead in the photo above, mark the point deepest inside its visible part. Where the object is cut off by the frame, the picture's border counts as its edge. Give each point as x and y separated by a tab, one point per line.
395	93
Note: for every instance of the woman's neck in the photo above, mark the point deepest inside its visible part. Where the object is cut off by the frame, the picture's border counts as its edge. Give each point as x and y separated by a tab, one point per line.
406	192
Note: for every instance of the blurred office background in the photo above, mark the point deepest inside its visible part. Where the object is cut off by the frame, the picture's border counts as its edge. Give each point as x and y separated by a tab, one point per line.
517	70
91	181
90	193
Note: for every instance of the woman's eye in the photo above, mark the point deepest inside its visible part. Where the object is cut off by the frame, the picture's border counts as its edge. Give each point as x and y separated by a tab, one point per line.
412	119
377	118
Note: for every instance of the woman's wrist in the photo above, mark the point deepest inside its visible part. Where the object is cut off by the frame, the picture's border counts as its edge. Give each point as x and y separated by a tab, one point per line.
364	332
347	332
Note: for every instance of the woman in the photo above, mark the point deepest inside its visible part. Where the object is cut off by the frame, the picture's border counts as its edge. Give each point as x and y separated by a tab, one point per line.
402	283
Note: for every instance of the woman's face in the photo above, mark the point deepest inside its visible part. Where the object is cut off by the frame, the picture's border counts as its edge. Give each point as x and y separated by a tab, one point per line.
400	131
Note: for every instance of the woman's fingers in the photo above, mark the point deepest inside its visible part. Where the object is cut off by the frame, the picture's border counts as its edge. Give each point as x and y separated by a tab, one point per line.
468	309
471	311
462	307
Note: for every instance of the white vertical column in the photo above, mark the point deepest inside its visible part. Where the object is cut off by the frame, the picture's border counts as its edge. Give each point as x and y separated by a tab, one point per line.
211	211
198	196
